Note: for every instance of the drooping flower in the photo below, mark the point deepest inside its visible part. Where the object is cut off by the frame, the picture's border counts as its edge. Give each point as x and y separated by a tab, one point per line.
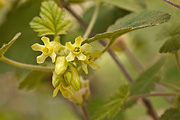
90	61
76	50
47	50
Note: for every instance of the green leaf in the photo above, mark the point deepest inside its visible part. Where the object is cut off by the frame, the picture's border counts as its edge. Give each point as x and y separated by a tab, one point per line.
114	105
171	45
32	79
171	114
5	47
51	20
132	22
131	5
145	83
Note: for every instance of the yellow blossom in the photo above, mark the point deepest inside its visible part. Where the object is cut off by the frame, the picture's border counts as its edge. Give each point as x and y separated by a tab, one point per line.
76	50
90	61
47	50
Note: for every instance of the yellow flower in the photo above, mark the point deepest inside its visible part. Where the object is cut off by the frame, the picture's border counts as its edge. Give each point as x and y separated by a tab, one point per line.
76	50
90	61
47	50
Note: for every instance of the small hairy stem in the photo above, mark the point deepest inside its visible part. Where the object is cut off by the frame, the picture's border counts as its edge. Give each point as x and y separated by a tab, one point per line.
26	66
92	22
85	112
177	60
151	95
175	5
171	86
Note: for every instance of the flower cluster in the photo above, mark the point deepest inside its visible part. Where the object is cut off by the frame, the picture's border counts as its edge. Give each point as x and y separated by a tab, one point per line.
69	61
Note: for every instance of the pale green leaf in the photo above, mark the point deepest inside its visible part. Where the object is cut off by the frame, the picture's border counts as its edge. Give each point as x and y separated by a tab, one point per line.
5	47
145	83
114	105
171	114
171	45
32	79
51	20
132	22
131	5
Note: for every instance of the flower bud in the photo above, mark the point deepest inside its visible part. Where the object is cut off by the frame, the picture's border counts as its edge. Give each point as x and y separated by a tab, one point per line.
67	77
65	92
75	78
61	65
56	79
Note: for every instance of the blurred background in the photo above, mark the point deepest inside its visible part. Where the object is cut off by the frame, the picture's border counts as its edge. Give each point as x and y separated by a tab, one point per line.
35	102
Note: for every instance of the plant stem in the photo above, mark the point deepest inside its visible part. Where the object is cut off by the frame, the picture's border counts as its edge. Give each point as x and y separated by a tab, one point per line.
169	86
151	95
85	112
175	5
92	22
177	60
26	66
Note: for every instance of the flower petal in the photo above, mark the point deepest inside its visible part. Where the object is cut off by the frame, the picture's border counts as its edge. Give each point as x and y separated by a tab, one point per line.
94	65
78	41
56	91
81	57
69	45
41	58
45	40
84	67
70	57
53	57
86	48
37	47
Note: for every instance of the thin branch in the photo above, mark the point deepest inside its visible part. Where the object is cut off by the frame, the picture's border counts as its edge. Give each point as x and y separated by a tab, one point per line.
85	112
151	95
27	66
175	5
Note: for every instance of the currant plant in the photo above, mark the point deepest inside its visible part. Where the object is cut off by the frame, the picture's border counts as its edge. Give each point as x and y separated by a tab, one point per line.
69	61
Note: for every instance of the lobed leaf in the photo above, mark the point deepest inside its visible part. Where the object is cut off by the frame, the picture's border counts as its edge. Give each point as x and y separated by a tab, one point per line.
114	105
51	20
145	83
171	45
171	114
32	79
131	22
5	47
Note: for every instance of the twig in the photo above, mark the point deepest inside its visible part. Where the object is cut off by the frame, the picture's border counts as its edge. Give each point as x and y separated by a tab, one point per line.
175	5
85	112
27	66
